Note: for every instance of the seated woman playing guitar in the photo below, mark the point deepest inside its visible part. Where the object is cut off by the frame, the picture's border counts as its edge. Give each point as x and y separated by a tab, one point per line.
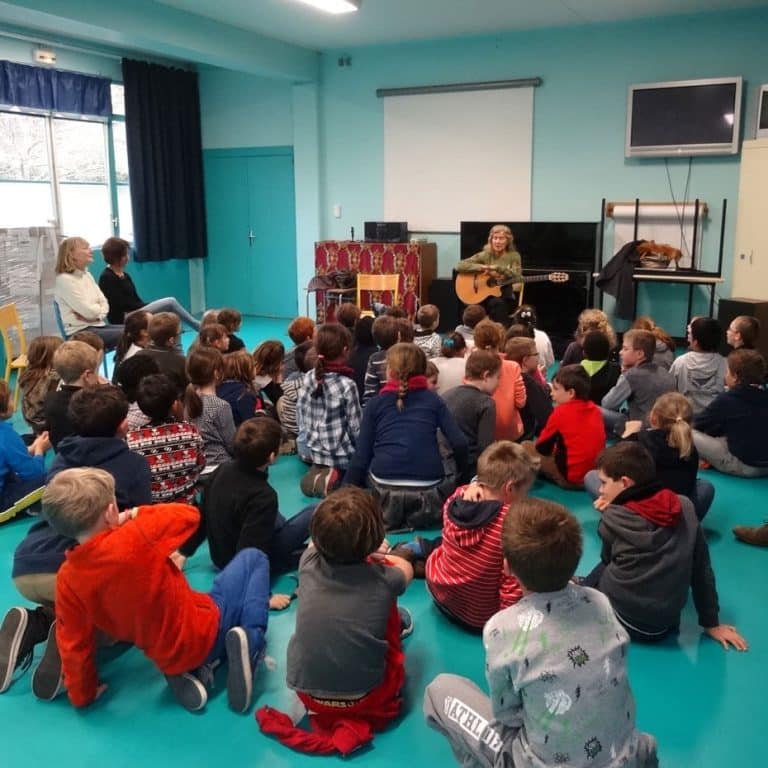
496	257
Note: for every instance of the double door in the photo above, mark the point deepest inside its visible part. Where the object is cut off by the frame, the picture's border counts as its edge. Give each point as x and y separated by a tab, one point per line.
251	264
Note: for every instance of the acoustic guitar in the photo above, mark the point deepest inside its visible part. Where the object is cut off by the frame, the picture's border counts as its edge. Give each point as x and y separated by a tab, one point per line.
476	287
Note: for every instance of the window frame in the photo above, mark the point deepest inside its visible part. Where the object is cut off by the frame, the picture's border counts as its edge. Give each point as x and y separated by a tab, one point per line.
111	168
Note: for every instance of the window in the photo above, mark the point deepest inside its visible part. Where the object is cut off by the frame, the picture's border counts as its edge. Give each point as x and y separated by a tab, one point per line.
66	170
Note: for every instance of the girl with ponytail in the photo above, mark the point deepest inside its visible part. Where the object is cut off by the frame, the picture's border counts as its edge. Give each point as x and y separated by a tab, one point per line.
398	453
669	440
328	412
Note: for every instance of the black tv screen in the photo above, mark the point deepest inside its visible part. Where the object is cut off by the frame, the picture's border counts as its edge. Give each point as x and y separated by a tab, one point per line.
694	117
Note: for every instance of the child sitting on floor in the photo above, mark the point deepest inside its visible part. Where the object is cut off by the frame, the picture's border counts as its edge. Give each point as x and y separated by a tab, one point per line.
471	316
465	572
743	332
556	665
386	332
425	333
300	330
472	407
22	469
700	372
328	412
38	379
172	447
641	383
240	507
538	396
129	376
345	659
574	434
202	407
510	394
150	605
237	387
730	433
76	365
135	337
653	551
669	441
397	450
268	373
603	372
231	319
450	363
164	333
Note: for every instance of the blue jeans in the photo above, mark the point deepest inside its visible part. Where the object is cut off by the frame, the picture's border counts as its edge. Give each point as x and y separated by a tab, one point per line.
289	538
702	496
110	334
241	591
614	422
169	304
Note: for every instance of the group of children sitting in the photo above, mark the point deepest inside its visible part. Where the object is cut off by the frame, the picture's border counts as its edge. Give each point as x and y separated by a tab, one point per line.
400	428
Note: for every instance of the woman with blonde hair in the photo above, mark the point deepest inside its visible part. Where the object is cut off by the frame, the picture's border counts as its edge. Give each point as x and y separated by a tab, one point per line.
589	320
499	256
669	439
82	305
510	396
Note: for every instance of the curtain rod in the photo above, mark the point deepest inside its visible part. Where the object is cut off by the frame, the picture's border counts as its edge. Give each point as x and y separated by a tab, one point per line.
490	85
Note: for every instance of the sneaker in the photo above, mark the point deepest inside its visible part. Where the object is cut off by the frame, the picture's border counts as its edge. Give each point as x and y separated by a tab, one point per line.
16	650
189	690
757	536
406	622
240	670
47	679
311	483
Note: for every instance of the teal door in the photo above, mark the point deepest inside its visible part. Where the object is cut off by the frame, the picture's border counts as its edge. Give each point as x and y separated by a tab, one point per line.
251	211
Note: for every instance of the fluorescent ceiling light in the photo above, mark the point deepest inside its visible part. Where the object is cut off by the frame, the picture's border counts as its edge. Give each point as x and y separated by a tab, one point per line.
334	6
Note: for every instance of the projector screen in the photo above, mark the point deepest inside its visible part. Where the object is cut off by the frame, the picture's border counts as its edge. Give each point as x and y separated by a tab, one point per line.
453	157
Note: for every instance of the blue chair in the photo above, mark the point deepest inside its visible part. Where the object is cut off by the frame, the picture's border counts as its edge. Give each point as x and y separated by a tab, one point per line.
63	333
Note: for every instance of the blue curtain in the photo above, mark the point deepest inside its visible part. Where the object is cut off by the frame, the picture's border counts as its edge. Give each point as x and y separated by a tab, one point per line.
54	90
165	161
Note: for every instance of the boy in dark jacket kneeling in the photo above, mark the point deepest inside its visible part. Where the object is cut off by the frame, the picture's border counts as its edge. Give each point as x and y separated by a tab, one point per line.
653	551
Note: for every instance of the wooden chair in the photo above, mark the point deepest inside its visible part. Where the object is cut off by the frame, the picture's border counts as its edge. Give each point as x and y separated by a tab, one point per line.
376	284
10	325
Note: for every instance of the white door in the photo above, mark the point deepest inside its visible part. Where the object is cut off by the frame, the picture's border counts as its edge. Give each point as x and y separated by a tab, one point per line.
750	263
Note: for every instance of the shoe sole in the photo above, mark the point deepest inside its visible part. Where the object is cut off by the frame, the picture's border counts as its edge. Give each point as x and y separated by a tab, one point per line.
11	635
46	679
407	630
239	672
188	690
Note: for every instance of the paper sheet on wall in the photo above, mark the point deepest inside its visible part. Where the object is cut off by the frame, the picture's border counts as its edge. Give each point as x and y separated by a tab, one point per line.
28	256
666	224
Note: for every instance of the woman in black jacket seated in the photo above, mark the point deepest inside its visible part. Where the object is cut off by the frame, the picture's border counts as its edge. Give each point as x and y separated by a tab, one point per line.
117	286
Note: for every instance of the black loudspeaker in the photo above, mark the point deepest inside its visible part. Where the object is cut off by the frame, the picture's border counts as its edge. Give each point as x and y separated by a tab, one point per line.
386	231
727	309
443	296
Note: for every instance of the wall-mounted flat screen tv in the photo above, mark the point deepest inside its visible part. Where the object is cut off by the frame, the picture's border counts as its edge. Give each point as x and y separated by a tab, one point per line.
686	117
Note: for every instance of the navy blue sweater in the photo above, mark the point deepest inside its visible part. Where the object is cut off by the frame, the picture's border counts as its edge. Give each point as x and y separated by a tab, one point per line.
42	549
402	445
741	415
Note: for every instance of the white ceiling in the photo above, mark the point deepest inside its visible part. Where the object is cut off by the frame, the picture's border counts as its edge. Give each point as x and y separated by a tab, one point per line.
392	21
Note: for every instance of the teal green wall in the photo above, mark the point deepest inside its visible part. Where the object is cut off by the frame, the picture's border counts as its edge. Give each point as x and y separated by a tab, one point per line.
579	117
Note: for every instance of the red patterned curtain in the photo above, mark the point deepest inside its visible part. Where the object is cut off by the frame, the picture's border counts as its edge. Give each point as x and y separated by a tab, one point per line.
370	258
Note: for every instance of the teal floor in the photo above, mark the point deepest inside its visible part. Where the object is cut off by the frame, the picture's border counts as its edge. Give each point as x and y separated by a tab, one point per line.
697	699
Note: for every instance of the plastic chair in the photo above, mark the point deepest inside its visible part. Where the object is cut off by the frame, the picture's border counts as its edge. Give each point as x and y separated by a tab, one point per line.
10	323
377	284
63	333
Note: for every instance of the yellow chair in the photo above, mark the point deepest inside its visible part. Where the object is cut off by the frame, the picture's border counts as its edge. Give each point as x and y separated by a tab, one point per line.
377	284
10	323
